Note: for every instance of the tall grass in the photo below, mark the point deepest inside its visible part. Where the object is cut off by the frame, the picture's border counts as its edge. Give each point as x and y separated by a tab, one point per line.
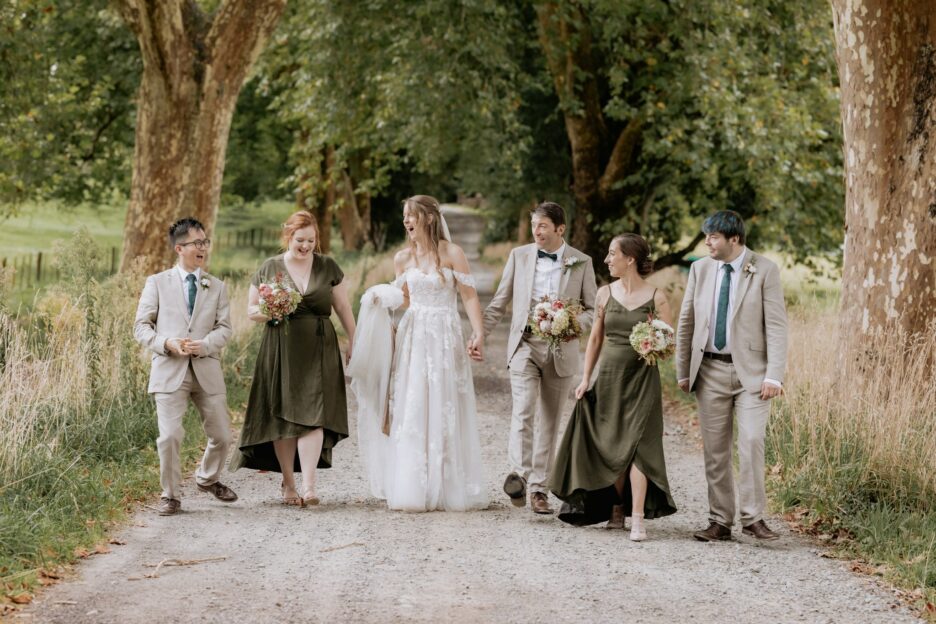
853	447
77	427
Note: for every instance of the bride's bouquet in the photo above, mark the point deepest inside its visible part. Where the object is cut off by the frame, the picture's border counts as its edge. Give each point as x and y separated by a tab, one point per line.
556	321
278	300
653	340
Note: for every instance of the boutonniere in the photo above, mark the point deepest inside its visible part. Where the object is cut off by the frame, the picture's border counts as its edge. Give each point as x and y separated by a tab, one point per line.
750	268
205	283
570	263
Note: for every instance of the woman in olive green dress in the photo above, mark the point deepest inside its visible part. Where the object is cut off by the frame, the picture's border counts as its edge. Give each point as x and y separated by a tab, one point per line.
297	410
610	463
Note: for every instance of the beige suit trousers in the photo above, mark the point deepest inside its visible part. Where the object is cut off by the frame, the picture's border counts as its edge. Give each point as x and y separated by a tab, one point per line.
539	396
721	398
170	410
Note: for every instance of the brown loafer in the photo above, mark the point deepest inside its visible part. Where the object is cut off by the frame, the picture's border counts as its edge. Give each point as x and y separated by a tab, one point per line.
515	488
617	518
169	506
540	503
760	531
220	491
714	533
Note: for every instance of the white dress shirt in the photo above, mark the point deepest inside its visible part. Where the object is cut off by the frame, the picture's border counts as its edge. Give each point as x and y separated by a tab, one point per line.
548	275
736	265
183	274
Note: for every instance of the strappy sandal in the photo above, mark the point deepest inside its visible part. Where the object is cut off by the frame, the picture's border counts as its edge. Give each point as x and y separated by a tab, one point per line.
310	500
294	500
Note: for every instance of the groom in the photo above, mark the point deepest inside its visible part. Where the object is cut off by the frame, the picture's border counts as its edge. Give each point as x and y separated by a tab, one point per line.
731	351
184	319
539	380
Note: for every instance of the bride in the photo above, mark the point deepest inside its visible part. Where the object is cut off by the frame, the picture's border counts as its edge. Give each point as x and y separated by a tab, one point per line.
431	457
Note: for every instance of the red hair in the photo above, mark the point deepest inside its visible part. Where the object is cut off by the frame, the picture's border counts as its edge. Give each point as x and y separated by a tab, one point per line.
297	221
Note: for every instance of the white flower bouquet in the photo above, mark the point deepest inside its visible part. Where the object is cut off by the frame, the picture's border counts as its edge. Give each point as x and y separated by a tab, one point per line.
556	321
653	340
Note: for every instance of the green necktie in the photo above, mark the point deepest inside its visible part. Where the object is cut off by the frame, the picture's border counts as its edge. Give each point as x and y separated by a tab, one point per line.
721	317
192	291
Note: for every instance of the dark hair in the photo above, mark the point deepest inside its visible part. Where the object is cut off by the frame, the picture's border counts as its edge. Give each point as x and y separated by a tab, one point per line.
636	247
550	210
180	229
728	223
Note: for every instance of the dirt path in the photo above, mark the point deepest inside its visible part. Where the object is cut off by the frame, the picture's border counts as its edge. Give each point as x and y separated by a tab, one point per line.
351	560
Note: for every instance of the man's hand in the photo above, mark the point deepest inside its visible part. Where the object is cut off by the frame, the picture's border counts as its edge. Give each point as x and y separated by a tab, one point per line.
176	346
683	385
195	347
769	391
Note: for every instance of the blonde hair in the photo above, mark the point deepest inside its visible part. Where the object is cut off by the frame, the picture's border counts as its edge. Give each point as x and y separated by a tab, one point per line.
297	221
429	219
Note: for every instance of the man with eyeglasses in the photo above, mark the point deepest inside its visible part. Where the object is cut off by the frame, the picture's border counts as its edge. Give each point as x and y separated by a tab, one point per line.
184	319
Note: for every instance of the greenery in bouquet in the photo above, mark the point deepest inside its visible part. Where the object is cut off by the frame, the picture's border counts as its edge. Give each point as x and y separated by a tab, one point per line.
556	321
653	340
278	300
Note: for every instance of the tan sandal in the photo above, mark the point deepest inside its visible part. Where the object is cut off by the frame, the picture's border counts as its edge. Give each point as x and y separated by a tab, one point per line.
310	501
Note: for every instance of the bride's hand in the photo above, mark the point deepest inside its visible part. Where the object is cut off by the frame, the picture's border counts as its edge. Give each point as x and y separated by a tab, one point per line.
581	389
476	348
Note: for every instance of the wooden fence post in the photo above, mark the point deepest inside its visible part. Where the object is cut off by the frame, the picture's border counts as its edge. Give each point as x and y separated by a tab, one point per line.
38	268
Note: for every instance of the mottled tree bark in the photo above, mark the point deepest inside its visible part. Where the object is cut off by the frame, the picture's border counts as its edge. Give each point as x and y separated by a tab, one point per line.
887	69
194	66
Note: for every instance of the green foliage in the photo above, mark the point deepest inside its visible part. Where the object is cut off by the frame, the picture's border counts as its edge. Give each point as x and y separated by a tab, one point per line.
68	70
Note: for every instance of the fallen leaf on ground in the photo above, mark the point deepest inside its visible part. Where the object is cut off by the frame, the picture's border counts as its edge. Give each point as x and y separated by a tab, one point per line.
82	553
116	542
23	598
101	549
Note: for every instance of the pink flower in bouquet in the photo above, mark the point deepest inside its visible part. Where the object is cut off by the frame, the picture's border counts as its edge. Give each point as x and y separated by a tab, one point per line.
556	321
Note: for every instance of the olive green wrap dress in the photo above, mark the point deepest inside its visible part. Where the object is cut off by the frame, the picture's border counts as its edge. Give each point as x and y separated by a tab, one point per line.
298	382
616	423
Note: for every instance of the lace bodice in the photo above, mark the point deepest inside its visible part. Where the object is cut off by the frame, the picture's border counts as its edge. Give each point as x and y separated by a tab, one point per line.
430	290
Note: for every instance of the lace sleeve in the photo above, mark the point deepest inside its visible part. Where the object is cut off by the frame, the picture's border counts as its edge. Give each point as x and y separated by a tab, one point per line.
466	279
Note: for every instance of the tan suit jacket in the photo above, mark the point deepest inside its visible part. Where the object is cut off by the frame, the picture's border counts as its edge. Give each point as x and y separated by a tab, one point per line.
758	322
516	288
163	314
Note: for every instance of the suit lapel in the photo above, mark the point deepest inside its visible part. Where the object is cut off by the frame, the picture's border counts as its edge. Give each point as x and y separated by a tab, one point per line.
706	289
744	280
174	284
564	279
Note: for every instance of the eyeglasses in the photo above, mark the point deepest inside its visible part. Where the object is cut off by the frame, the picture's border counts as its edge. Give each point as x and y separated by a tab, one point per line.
199	244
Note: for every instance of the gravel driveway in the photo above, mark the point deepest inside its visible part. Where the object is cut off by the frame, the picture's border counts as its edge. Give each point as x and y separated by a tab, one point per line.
351	560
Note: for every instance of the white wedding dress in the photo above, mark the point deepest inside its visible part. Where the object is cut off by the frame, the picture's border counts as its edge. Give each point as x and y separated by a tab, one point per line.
431	459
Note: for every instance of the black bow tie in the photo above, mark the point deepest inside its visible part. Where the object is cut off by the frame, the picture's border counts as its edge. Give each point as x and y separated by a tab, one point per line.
545	254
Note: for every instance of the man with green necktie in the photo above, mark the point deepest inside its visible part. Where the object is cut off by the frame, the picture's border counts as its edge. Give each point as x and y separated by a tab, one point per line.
184	319
731	346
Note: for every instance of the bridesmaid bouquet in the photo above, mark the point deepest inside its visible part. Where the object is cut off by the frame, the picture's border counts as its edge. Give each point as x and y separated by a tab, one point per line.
653	340
278	300
556	321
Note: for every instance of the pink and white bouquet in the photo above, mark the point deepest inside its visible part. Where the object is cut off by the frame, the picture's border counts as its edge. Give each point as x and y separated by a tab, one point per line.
278	300
653	340
556	321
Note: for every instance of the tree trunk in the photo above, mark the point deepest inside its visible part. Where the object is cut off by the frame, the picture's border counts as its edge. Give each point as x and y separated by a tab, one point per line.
193	70
349	219
887	70
600	160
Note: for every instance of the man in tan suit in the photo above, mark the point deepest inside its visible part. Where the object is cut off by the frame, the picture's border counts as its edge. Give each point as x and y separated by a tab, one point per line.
540	381
731	351
184	319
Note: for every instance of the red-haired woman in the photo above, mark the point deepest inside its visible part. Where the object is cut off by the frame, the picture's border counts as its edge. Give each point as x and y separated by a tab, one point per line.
297	410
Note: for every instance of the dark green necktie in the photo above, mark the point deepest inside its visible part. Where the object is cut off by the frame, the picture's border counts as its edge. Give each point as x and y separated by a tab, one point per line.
721	316
192	291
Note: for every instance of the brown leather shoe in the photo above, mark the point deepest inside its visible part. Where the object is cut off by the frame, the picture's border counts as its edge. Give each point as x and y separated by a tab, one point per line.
760	531
540	503
220	491
515	488
714	533
169	506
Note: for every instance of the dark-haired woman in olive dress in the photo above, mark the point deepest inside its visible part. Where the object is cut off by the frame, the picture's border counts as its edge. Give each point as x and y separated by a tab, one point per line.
610	463
297	411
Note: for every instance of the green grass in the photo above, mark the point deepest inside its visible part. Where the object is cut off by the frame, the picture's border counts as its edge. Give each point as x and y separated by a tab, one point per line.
38	225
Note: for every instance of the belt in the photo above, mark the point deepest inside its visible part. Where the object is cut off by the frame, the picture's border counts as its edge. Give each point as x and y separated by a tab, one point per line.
721	357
